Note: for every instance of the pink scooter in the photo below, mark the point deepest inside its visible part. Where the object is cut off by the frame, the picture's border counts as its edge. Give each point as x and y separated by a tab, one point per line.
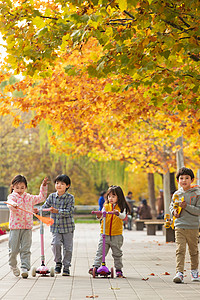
42	270
103	270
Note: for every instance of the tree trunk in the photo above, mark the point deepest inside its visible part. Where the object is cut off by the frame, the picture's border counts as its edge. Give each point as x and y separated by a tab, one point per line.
152	198
167	194
179	153
172	183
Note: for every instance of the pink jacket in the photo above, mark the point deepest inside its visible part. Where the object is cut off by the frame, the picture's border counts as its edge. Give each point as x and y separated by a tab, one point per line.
18	218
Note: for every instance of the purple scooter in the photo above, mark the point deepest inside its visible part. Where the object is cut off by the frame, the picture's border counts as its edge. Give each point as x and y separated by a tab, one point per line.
103	270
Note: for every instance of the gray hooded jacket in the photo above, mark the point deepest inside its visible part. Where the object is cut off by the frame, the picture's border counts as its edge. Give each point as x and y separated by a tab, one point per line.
189	217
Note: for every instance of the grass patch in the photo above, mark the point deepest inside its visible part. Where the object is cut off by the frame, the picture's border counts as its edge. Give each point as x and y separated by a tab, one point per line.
86	221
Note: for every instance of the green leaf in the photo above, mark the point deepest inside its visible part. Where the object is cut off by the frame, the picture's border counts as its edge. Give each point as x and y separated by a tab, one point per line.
3	84
38	22
195	89
168	90
166	54
108	88
68	67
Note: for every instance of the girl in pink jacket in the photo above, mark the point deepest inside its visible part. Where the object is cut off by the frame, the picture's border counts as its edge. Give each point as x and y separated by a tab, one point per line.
21	223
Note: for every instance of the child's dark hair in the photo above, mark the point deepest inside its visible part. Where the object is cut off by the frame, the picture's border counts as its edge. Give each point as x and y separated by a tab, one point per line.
121	201
102	193
18	179
184	171
63	178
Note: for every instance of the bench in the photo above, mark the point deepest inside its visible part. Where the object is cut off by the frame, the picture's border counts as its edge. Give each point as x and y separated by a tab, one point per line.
139	223
152	226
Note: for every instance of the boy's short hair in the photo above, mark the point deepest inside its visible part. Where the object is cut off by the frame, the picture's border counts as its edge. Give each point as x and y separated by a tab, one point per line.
184	171
63	178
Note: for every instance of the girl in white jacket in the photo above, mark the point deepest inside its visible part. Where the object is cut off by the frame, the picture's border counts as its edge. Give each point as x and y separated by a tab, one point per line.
21	223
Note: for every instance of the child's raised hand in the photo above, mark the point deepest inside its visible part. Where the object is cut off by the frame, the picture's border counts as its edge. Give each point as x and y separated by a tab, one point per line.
45	181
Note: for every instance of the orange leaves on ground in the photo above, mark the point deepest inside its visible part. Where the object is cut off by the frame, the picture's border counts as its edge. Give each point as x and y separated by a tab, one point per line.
153	274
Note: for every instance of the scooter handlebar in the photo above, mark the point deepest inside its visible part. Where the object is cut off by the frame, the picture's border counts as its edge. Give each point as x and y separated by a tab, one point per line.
107	212
45	209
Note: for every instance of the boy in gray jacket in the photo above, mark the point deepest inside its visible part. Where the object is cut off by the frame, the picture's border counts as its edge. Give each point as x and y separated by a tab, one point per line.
186	223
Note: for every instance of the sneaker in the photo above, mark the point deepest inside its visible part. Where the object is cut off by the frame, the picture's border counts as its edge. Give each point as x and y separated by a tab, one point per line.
16	271
58	268
91	271
119	273
195	275
66	272
24	273
178	278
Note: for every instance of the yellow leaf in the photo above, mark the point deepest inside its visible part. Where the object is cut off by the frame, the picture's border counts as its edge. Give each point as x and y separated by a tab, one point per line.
122	4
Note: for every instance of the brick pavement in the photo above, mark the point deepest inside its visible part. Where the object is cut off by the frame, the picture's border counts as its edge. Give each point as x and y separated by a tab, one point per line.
147	260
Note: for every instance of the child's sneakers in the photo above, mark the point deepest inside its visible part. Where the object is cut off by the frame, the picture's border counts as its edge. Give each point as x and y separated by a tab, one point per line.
178	278
58	268
195	275
119	273
24	273
66	272
16	271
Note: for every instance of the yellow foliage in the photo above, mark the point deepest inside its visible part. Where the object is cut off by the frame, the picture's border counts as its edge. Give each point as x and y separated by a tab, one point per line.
88	117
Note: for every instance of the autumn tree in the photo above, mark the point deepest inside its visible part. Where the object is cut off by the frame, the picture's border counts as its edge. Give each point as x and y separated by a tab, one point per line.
151	47
144	41
151	41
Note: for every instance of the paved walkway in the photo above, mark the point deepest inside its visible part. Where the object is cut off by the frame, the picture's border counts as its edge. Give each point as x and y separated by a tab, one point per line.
149	267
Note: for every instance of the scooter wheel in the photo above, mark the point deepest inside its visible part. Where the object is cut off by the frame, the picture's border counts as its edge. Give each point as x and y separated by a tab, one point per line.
112	273
33	271
94	272
52	272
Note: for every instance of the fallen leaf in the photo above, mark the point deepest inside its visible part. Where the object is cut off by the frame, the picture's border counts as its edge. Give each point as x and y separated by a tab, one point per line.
166	273
145	278
115	288
93	296
152	274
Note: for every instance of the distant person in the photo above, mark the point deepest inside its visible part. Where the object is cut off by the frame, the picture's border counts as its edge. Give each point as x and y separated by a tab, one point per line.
129	218
21	223
144	210
101	199
160	216
160	202
130	202
114	228
186	224
61	205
